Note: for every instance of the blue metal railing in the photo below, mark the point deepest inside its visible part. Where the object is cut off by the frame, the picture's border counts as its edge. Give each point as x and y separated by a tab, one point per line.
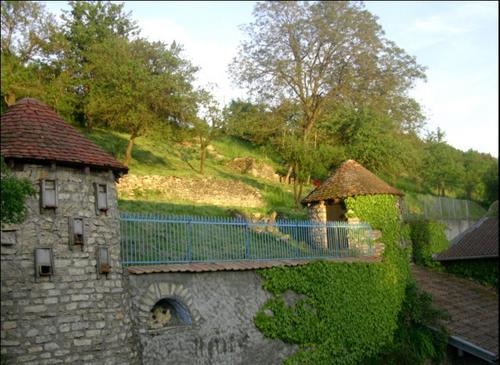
154	239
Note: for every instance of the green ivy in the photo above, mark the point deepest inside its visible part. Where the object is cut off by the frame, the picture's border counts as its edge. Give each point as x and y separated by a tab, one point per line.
428	238
420	335
13	193
484	271
348	311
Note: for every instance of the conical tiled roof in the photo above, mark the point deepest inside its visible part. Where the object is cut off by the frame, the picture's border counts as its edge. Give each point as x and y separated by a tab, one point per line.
350	179
31	131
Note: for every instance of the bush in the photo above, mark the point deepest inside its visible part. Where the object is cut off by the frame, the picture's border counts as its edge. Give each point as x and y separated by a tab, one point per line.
414	340
428	238
13	192
484	271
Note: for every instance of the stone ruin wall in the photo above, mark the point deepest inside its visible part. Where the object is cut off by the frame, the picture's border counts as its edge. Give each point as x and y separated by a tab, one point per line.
220	307
75	316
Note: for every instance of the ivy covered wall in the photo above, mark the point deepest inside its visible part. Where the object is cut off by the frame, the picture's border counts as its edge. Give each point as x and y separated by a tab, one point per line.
342	312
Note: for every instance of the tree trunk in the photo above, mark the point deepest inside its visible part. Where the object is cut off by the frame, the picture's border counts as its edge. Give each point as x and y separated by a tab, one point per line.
90	123
288	174
128	153
10	99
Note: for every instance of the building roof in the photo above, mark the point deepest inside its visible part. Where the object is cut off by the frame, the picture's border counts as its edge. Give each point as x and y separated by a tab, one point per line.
477	242
473	310
350	179
32	131
236	265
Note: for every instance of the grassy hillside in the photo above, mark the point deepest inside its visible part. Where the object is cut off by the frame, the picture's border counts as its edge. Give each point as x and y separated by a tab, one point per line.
154	155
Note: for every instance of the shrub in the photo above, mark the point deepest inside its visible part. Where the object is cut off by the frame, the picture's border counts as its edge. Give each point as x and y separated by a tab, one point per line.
13	192
484	271
420	335
428	238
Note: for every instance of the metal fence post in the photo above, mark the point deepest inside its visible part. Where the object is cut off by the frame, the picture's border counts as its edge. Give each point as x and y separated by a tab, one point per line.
190	240
247	241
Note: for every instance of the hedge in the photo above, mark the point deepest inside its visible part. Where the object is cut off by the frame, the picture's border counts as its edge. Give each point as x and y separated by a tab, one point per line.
428	237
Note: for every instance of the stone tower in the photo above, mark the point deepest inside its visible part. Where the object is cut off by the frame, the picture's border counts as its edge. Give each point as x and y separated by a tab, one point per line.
62	296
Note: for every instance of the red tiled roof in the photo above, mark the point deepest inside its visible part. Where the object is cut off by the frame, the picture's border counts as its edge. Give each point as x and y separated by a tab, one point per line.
233	265
30	130
350	179
473	308
479	241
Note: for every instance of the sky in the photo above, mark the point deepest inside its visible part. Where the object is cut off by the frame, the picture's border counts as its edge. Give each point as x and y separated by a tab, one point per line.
456	41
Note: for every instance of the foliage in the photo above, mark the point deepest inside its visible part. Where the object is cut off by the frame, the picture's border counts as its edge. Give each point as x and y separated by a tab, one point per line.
485	271
372	139
428	238
442	168
137	84
420	335
349	310
490	179
14	192
27	29
380	210
316	52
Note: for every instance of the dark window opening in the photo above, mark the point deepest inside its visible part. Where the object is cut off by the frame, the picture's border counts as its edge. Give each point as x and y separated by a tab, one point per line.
169	312
45	270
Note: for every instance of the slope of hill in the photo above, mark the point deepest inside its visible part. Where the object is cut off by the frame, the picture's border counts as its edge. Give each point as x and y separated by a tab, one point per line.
164	177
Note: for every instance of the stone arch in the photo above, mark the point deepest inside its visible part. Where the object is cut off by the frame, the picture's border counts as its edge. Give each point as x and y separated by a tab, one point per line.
172	296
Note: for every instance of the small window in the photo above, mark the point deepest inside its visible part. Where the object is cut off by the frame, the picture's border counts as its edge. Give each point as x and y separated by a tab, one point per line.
49	194
103	261
44	262
8	237
76	232
101	197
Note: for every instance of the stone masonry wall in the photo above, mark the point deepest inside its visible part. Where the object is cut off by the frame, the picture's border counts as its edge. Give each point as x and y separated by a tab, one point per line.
221	306
317	213
74	316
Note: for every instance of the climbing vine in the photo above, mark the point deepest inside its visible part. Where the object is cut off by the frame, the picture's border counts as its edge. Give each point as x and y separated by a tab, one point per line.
348	311
428	237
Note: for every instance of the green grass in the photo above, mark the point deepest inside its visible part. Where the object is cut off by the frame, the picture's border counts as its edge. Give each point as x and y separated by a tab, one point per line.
154	154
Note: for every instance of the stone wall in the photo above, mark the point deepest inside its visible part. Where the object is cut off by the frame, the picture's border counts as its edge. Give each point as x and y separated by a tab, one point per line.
317	213
221	306
200	190
74	316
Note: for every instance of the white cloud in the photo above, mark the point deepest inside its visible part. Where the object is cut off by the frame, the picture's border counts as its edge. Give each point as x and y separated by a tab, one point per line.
437	24
210	56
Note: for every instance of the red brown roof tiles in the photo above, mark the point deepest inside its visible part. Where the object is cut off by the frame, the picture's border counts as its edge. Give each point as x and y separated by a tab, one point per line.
479	241
350	179
473	308
30	130
233	265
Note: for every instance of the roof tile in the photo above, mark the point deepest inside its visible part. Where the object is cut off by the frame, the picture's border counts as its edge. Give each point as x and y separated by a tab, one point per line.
31	130
350	179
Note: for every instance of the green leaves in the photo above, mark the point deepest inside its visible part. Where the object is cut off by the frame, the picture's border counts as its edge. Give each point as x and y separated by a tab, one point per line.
13	192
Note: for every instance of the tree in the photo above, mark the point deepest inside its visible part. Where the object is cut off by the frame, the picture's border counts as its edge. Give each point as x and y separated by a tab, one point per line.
249	121
315	52
372	139
490	179
26	32
13	193
206	125
137	84
87	24
442	166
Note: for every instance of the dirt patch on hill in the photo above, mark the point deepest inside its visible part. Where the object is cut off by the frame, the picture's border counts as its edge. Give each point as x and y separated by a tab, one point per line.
205	190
